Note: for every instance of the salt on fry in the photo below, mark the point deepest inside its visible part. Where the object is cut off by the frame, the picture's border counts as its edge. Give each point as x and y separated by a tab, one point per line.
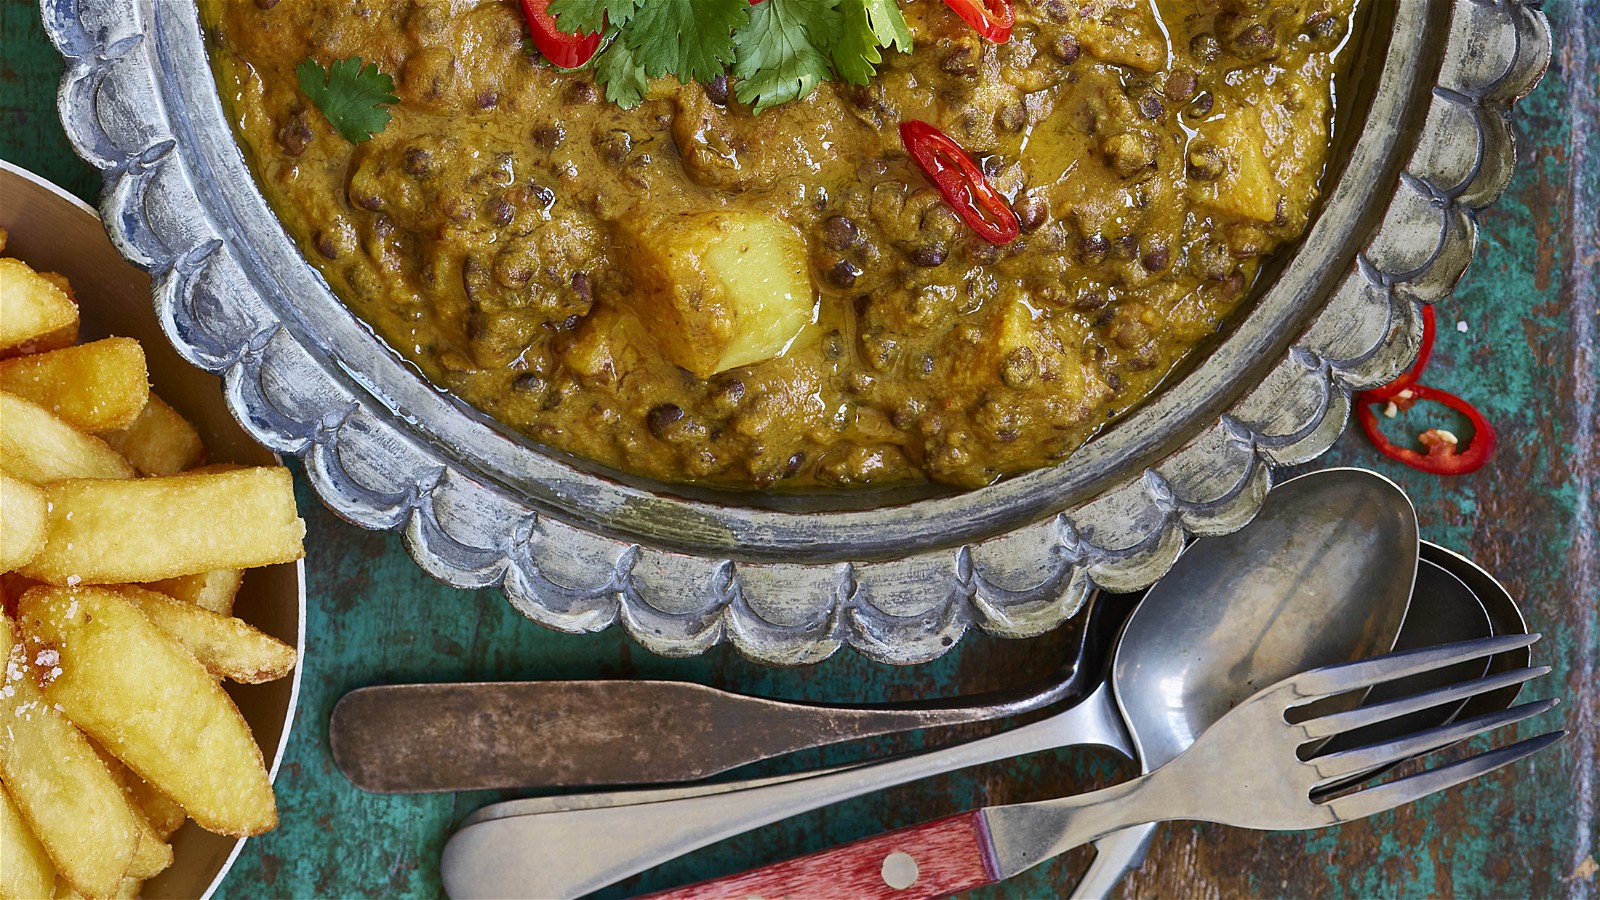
119	532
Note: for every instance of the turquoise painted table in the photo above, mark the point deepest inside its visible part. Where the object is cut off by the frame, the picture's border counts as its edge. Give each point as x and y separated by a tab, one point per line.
1519	339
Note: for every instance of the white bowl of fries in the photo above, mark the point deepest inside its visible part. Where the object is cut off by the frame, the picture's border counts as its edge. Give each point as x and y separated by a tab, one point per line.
151	577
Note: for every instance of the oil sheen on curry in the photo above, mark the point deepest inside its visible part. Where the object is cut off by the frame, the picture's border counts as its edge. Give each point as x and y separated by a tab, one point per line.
691	291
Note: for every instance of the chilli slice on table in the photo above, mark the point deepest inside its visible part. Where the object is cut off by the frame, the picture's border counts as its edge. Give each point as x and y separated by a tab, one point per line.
1443	453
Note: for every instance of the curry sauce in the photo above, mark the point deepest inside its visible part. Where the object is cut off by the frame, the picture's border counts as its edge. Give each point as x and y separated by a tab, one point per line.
585	273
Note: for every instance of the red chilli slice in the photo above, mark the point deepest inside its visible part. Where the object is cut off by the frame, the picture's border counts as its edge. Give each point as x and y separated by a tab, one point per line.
961	182
992	19
568	51
1444	456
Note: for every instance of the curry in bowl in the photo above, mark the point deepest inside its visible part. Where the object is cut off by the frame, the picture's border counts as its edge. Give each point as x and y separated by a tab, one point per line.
956	269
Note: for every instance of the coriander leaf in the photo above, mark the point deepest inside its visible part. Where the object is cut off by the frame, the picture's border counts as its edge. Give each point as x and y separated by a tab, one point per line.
352	98
692	39
589	16
783	54
868	25
888	25
621	74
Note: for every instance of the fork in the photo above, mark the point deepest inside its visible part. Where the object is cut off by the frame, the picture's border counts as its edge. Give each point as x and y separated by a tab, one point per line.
1244	771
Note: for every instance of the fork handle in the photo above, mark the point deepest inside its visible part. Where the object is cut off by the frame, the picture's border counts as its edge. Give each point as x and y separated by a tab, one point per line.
934	859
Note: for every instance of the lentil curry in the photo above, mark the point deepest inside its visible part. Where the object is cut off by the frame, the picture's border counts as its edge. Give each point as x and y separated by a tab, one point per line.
692	292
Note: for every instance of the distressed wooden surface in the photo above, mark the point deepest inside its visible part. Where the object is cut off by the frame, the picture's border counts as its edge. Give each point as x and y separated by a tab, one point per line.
1526	354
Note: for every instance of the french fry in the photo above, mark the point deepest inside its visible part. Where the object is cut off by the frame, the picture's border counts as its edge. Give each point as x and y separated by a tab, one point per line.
3	236
119	532
159	442
128	889
25	868
30	306
214	590
153	854
22	521
158	809
145	698
37	446
226	646
63	790
99	386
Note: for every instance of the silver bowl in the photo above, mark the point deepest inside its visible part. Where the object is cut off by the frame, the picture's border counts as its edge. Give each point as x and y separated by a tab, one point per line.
1424	146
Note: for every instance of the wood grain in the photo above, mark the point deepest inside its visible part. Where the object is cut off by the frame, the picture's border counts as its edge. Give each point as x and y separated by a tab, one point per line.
934	859
1525	353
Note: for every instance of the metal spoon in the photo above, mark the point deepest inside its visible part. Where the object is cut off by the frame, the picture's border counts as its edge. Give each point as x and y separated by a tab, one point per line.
1323	575
406	738
1443	610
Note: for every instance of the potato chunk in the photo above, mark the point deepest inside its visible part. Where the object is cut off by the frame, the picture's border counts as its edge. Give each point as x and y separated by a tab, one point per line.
226	646
1245	188
213	590
25	867
721	290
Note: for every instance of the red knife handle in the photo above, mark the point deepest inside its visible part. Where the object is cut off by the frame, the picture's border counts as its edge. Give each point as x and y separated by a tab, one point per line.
933	859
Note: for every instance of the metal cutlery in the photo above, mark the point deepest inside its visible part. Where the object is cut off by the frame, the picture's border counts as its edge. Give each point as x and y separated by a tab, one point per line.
1244	771
1323	575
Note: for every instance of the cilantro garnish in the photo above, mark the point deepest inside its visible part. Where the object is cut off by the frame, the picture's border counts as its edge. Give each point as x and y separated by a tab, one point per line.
691	39
779	50
621	74
353	98
868	25
783	54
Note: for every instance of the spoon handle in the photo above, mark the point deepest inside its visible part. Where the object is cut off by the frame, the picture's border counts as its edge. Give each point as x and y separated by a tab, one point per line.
1115	855
569	853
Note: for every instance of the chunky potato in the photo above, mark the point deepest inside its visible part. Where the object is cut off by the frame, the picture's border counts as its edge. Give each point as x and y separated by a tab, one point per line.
1245	188
65	793
25	867
115	532
159	442
98	386
30	305
22	522
144	698
226	646
214	590
37	446
722	290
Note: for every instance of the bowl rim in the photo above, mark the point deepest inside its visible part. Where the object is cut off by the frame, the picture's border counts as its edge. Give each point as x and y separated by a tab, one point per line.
578	551
275	759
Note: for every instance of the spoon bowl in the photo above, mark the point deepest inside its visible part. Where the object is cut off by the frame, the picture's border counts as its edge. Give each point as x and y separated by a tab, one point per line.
1329	582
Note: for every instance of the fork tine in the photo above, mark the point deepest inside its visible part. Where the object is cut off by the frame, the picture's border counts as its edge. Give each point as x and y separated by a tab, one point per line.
1362	759
1361	716
1365	802
1337	679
